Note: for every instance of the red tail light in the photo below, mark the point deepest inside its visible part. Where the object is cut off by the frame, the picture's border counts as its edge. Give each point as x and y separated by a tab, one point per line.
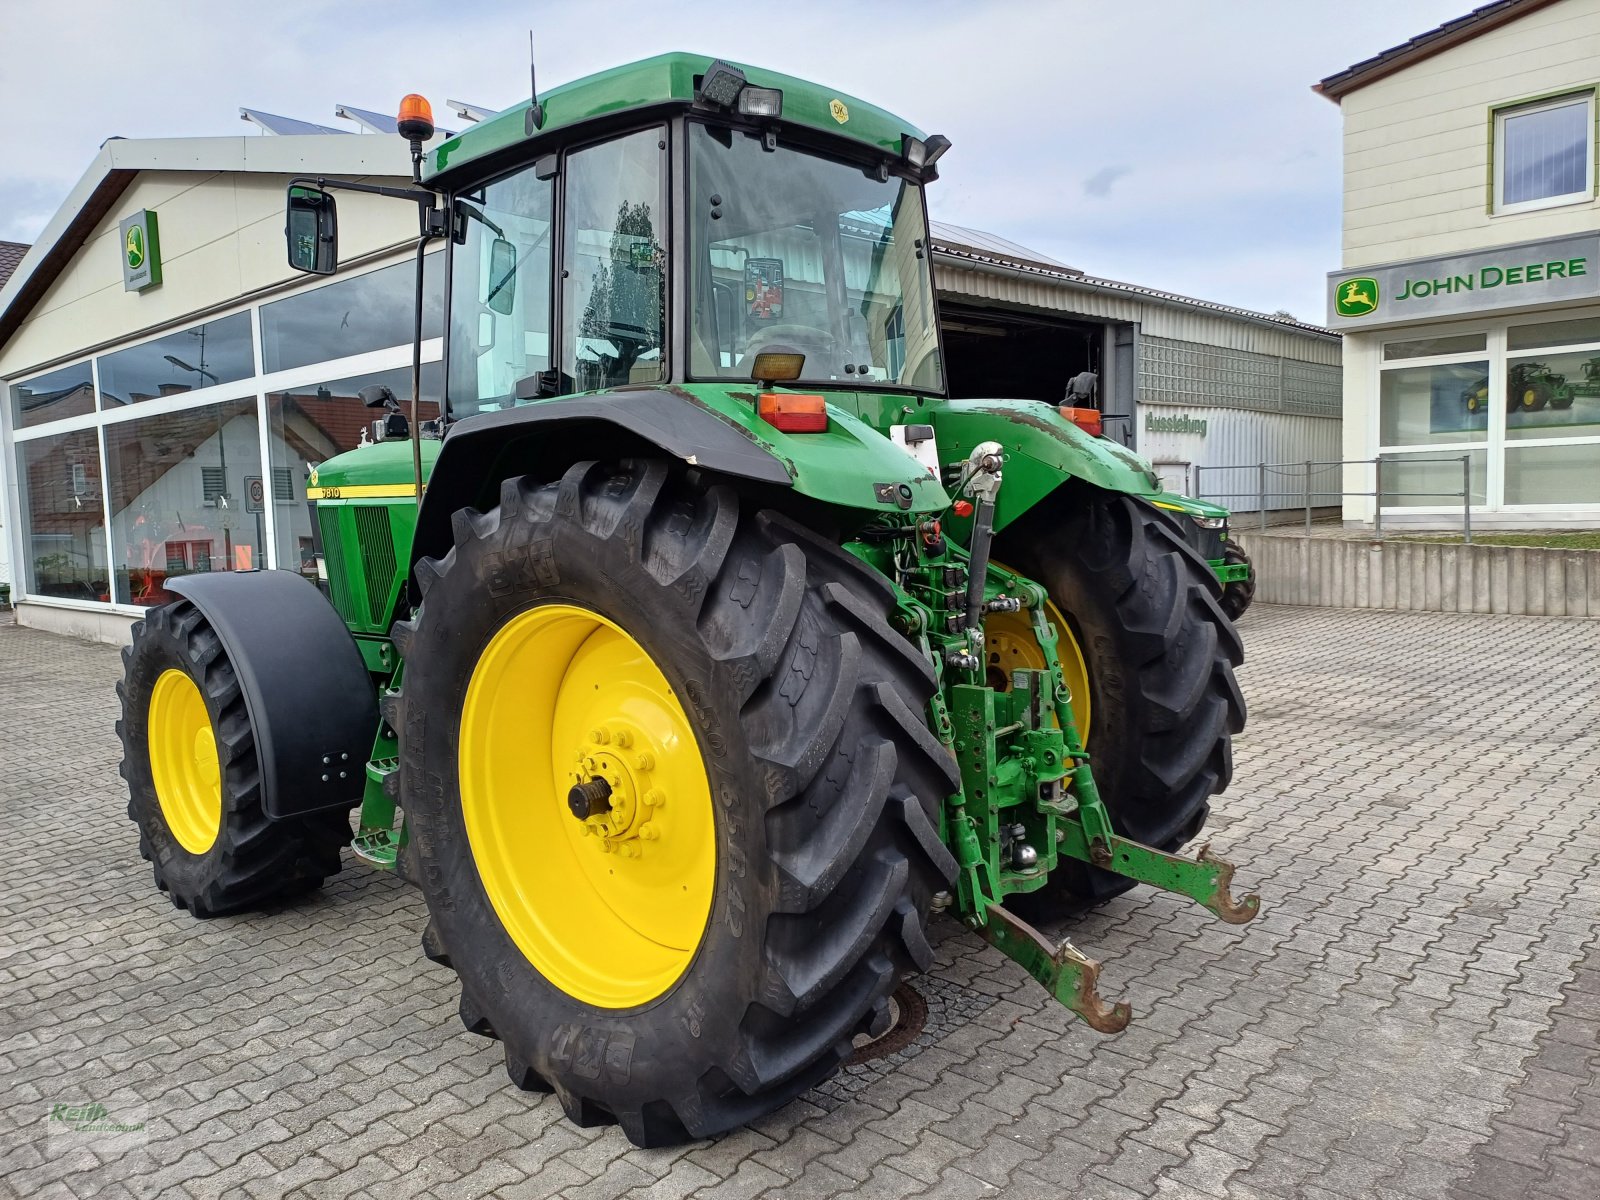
1086	419
793	413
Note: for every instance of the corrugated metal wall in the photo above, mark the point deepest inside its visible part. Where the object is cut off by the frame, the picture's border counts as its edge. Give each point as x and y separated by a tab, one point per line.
1238	439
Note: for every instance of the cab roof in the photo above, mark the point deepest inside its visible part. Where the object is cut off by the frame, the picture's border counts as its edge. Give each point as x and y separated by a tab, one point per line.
666	79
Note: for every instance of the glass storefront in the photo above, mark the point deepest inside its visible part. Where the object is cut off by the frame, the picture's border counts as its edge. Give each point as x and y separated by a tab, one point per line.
63	516
1521	399
311	423
182	422
180	500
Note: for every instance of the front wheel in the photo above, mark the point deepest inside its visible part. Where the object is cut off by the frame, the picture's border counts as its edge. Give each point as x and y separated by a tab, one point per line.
194	784
1142	612
672	796
1238	593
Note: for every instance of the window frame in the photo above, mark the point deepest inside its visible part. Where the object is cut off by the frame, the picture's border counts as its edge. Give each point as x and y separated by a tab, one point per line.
1497	125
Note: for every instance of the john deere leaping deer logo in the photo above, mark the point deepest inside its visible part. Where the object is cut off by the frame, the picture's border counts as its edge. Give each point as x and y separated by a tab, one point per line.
1356	297
135	247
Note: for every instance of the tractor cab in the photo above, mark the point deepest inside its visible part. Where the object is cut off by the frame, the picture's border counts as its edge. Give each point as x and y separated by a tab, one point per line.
597	240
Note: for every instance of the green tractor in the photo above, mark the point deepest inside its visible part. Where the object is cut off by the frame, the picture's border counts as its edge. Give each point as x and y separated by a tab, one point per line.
701	650
1206	525
1531	386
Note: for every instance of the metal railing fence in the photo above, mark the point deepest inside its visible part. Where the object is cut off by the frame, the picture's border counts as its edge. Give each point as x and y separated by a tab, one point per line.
1306	494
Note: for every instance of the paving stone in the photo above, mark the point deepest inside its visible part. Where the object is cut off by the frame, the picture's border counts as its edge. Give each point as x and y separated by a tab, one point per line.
1416	1014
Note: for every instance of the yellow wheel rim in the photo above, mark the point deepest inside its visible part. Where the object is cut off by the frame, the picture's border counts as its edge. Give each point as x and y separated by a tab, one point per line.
1529	398
1009	643
610	907
184	765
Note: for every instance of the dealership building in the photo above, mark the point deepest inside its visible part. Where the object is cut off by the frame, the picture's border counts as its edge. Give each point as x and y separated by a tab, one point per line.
1469	294
170	383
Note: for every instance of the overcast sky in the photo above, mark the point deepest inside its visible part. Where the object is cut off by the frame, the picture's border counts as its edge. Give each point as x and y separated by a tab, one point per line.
1170	143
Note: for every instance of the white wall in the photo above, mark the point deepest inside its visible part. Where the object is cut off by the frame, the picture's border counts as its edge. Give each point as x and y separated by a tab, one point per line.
221	240
1417	143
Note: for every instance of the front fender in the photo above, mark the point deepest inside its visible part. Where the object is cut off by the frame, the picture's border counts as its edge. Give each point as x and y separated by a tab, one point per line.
1043	450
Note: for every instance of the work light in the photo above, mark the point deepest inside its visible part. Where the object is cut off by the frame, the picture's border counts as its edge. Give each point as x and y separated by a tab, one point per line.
721	84
761	102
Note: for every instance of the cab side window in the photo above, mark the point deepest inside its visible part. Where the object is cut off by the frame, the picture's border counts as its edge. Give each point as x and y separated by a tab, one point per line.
614	284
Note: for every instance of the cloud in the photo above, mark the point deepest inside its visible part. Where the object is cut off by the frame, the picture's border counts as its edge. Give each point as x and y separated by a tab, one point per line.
1099	184
1219	108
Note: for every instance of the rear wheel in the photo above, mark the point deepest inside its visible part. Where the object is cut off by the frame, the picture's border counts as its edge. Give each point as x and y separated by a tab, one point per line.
672	795
194	787
1143	609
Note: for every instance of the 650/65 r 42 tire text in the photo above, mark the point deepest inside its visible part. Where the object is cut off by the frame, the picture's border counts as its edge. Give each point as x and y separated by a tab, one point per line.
672	795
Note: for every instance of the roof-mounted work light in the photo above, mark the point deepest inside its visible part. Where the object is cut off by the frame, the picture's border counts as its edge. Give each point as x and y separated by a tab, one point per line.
721	84
761	102
922	153
725	86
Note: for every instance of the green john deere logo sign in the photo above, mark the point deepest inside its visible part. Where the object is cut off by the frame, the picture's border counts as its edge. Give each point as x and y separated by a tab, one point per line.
141	251
1356	297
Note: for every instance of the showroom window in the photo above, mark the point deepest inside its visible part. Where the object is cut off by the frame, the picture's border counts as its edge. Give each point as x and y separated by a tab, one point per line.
1521	400
1544	153
205	356
1432	412
312	422
181	479
205	457
67	392
352	315
63	517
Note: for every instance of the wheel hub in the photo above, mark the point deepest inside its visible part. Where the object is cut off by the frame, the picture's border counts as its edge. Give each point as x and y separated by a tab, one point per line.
617	763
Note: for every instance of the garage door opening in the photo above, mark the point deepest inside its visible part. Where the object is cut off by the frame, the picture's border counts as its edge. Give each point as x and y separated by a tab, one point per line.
995	353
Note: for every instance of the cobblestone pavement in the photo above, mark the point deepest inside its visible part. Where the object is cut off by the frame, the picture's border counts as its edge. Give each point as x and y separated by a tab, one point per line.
1414	1015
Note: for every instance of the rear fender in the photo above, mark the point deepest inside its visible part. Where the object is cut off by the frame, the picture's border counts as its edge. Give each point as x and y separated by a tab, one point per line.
1043	451
712	427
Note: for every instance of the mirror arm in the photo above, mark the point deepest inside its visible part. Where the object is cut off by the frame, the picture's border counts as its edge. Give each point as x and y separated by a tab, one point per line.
420	196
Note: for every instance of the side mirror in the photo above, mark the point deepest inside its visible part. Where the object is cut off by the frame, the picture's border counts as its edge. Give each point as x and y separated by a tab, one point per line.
312	229
502	295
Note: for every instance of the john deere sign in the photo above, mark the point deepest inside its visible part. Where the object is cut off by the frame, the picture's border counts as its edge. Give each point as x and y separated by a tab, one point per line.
1426	289
141	251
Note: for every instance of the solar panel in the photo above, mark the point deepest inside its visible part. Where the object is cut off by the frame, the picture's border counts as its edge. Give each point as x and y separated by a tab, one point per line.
371	121
470	112
273	123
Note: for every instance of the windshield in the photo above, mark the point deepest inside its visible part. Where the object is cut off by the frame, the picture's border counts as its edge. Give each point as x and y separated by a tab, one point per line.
796	252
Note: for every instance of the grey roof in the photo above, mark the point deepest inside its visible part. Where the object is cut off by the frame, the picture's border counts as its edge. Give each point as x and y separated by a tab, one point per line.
980	246
974	245
1425	45
10	259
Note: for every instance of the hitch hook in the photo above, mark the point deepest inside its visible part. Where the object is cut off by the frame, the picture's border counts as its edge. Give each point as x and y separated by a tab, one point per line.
1221	900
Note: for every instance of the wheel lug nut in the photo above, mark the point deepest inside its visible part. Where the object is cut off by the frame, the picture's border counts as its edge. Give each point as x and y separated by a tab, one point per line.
599	736
655	798
623	738
630	851
649	832
645	762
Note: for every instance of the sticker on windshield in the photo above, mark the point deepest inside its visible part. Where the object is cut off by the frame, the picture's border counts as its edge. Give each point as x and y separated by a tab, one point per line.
840	113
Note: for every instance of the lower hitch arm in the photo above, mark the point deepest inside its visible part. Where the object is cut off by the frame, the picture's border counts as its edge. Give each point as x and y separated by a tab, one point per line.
1065	971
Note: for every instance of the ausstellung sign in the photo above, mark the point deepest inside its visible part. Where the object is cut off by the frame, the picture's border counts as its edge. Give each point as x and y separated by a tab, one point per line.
1556	269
